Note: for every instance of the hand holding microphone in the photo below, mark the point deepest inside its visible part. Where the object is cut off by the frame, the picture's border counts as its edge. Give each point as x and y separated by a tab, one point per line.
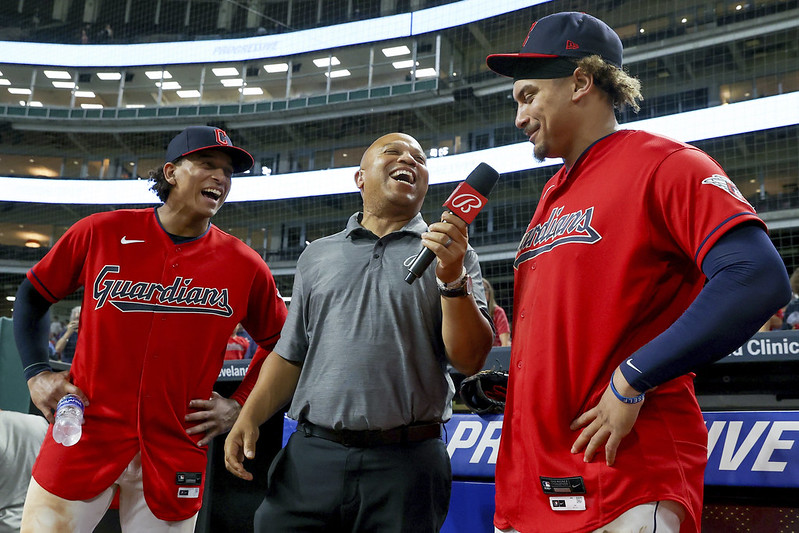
447	240
465	202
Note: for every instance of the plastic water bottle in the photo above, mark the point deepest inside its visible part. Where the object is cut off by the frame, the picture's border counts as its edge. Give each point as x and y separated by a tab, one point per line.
68	420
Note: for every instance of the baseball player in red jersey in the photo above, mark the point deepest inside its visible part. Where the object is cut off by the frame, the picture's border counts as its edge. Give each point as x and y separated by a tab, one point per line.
642	261
163	289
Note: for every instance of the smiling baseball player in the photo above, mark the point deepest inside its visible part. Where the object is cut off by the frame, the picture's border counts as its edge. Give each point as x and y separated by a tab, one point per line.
163	289
641	262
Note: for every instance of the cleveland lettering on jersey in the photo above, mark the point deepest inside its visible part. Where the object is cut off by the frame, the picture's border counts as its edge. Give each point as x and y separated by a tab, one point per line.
178	297
559	229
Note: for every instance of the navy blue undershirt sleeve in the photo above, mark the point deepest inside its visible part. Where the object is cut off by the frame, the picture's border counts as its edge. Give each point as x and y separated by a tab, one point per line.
32	329
747	283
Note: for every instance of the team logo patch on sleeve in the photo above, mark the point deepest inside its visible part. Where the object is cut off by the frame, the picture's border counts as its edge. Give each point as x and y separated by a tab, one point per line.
725	184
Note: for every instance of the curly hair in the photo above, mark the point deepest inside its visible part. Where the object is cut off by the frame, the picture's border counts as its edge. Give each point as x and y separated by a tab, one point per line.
160	185
622	88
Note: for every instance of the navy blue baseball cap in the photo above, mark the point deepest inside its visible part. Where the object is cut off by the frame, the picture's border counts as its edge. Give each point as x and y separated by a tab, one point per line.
196	138
554	40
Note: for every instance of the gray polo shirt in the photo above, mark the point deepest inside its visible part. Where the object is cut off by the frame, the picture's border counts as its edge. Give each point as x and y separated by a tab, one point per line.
370	343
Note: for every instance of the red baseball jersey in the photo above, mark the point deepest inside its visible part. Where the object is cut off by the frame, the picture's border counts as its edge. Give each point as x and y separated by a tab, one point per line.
155	322
610	260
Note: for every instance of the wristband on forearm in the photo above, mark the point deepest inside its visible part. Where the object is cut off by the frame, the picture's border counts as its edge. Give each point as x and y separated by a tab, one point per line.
625	399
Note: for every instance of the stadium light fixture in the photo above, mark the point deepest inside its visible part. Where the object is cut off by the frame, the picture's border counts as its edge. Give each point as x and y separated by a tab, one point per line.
225	71
168	85
57	75
109	76
158	74
342	73
426	73
324	62
276	67
395	51
408	63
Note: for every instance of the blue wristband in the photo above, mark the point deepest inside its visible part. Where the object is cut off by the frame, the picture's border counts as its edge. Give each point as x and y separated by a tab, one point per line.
625	399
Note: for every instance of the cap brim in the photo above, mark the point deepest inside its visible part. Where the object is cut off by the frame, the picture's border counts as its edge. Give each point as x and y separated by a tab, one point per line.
241	158
505	64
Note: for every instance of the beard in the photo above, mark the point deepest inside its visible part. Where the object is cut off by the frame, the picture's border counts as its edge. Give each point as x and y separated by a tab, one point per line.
540	152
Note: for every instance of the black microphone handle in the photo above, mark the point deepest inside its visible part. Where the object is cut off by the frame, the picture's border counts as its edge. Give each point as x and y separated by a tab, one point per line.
419	265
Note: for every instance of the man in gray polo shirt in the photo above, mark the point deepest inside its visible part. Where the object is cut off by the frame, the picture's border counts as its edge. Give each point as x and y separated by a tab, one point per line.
364	356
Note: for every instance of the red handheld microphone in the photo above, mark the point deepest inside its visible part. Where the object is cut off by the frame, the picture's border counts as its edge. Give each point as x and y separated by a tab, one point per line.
465	202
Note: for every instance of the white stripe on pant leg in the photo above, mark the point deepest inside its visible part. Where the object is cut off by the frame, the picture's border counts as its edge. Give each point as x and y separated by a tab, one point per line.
644	518
641	519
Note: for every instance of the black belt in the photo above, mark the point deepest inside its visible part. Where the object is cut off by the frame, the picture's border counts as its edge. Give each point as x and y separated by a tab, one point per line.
376	437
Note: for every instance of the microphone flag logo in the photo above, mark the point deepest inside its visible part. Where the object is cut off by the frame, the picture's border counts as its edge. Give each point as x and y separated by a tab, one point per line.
465	202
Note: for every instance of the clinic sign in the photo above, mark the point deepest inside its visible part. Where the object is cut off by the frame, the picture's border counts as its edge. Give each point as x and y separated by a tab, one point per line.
745	448
770	346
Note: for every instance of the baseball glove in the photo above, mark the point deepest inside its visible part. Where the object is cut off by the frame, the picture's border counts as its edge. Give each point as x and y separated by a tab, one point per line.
485	391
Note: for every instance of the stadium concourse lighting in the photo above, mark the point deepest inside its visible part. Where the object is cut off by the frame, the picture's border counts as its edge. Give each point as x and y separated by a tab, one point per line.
249	91
426	73
232	82
18	90
408	63
225	71
158	74
324	62
395	51
342	73
84	94
168	85
276	67
192	93
109	76
57	75
64	84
